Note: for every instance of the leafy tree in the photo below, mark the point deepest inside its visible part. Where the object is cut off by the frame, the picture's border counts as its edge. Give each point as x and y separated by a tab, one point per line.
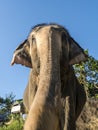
87	74
6	104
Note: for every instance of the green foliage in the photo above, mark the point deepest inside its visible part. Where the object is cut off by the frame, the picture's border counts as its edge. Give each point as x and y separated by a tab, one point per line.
87	74
6	104
14	121
15	125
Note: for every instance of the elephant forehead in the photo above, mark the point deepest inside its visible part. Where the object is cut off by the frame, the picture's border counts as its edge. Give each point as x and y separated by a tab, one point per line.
43	35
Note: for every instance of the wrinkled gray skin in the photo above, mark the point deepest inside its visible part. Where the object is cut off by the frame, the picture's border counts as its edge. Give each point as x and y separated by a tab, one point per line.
53	97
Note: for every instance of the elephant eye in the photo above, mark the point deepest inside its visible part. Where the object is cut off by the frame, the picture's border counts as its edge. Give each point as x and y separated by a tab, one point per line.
33	39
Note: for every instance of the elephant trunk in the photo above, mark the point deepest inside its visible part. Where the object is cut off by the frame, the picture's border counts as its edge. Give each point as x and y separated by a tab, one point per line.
46	104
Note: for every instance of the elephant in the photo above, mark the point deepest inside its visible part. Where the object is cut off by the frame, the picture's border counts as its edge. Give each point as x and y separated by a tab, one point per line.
53	97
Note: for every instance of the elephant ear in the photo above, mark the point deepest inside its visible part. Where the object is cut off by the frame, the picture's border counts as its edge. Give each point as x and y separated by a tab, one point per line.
21	55
76	53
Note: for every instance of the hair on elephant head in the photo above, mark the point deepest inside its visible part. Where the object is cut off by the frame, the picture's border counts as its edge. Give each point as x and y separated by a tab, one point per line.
48	49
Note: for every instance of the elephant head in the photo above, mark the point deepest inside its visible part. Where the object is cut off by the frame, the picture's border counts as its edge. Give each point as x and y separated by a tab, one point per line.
71	51
47	48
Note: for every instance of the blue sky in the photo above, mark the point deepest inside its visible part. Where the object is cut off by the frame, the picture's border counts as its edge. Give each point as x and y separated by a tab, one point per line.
80	17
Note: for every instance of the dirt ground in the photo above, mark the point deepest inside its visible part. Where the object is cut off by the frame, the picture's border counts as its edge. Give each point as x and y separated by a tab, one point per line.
88	119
